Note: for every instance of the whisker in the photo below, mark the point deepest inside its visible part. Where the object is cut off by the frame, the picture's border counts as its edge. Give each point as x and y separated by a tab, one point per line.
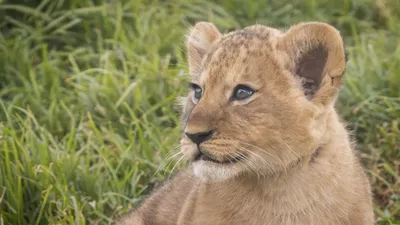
290	148
177	163
262	159
263	150
253	166
166	162
256	165
174	155
280	162
171	161
246	161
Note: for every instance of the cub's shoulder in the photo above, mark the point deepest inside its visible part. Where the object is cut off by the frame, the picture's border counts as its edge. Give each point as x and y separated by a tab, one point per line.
164	202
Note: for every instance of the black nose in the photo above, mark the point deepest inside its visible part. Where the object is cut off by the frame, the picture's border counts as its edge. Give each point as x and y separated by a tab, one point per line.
199	137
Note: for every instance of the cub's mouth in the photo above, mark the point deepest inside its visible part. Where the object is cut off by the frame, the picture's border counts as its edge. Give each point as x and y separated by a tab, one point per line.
206	157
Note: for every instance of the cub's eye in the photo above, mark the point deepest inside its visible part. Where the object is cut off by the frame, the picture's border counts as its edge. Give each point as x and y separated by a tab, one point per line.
198	92
242	92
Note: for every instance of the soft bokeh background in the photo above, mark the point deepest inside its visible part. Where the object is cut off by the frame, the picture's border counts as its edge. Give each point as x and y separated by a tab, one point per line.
88	89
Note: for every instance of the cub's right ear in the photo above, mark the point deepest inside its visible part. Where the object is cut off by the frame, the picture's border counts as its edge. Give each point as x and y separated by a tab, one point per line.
199	41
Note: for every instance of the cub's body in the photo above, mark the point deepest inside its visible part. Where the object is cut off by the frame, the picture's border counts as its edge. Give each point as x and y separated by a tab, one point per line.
272	153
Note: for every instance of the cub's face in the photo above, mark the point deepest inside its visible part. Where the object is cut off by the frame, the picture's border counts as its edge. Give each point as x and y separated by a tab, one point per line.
257	97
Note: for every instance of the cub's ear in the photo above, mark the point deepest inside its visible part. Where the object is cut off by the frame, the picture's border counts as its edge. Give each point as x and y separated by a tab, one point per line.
317	58
199	41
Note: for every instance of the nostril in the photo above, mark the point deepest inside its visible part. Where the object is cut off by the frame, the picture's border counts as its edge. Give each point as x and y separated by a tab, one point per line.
199	137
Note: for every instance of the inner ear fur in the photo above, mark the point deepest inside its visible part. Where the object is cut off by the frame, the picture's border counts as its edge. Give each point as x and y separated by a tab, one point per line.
316	57
199	41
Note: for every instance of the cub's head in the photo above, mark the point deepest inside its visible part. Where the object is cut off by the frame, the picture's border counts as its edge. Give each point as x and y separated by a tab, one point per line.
259	98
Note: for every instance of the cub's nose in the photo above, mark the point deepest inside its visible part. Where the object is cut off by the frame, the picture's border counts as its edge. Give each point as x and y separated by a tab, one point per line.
199	137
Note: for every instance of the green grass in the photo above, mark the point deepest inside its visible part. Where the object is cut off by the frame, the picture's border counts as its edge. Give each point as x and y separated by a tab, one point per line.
88	89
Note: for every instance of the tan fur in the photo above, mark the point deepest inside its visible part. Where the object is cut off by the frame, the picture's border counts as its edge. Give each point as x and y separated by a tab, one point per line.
298	166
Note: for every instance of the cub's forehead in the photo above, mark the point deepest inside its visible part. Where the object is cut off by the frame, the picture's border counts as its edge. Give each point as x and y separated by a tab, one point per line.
251	33
240	53
247	41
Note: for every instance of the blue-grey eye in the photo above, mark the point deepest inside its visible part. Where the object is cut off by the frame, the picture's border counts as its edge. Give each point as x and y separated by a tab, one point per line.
242	92
198	92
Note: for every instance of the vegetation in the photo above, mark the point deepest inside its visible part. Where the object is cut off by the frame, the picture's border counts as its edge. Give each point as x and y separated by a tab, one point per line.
88	89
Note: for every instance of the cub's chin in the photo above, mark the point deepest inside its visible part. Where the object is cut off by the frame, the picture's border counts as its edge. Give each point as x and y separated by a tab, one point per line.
207	168
212	171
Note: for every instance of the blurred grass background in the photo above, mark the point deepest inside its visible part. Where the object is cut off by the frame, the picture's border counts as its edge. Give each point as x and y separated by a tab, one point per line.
88	89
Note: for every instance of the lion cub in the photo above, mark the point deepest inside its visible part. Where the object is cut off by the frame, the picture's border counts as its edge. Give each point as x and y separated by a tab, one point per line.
260	129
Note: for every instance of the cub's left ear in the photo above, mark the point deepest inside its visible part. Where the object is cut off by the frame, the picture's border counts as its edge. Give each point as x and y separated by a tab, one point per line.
317	58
